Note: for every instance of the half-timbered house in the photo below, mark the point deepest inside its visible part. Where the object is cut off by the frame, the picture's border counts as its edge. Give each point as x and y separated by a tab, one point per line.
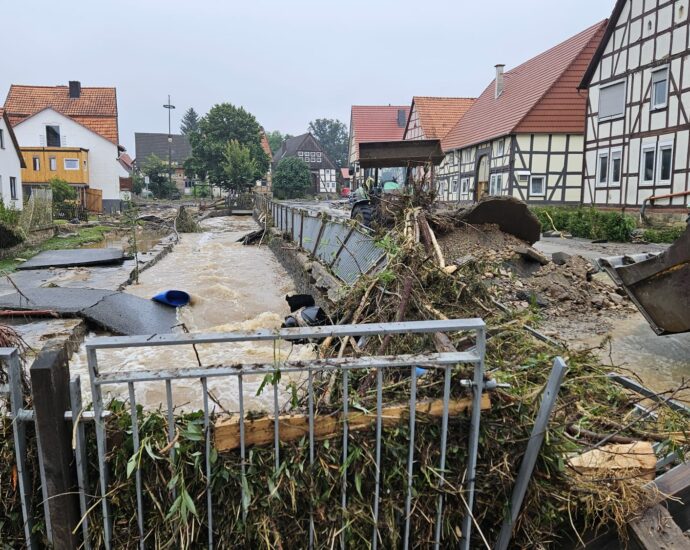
524	136
433	118
308	149
638	113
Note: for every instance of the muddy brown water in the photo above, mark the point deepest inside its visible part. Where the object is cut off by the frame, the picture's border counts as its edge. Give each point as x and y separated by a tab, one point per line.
233	288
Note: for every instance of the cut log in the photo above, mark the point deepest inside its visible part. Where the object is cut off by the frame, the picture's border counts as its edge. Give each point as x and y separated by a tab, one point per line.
294	427
656	530
617	460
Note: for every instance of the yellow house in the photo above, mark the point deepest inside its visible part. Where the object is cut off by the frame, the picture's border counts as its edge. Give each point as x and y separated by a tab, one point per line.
43	164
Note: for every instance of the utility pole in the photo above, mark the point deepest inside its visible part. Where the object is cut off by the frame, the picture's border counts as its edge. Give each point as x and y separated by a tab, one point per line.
169	106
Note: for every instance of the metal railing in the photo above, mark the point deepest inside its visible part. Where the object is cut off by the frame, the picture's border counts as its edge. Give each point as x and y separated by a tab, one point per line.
442	361
348	250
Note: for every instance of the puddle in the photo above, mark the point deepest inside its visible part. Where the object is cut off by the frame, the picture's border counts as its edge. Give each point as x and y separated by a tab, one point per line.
233	288
661	362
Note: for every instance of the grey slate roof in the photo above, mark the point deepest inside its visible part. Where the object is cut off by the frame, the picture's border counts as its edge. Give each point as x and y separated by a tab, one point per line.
304	142
157	144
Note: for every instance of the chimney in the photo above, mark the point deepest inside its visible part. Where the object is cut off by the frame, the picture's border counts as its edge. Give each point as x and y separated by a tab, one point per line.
500	82
402	118
74	89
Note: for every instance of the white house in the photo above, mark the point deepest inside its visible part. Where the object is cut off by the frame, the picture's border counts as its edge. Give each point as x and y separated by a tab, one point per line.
638	113
11	164
72	116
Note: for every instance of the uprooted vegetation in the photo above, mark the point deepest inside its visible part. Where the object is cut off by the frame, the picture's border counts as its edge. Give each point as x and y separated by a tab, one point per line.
413	286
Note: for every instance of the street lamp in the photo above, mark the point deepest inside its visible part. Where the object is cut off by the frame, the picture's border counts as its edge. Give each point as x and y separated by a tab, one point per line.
169	107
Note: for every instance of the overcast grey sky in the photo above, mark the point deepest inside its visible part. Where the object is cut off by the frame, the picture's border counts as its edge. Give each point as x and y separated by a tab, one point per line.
286	61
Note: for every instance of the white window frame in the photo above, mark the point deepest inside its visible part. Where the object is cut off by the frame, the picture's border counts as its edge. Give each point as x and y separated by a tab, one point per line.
522	174
543	189
2	138
65	161
464	186
663	145
500	148
13	189
653	148
36	164
625	99
496	179
616	152
601	155
52	164
660	106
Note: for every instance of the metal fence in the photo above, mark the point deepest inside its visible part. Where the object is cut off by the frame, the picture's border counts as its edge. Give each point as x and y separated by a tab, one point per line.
347	249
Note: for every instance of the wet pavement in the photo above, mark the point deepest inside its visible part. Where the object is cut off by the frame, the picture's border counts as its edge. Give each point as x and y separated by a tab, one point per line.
77	257
594	251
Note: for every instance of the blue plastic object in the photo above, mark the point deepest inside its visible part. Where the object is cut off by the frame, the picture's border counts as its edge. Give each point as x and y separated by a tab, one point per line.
419	371
172	298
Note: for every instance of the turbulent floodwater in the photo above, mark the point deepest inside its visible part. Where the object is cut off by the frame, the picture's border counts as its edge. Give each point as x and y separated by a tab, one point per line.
234	288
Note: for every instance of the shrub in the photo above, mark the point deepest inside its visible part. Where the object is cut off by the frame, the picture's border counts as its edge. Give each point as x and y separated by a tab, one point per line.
586	222
62	191
664	235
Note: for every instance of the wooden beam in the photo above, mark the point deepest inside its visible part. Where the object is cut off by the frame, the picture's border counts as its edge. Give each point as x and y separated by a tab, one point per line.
294	427
656	529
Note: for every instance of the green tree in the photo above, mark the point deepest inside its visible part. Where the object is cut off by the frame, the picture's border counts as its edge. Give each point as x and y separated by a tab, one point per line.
333	137
222	124
157	171
291	179
62	191
190	122
137	183
275	139
240	167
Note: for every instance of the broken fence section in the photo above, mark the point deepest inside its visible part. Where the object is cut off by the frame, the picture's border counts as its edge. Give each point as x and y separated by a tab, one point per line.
345	247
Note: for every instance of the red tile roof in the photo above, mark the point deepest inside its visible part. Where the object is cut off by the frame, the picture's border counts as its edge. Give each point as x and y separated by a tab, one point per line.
438	115
96	108
377	123
266	146
539	96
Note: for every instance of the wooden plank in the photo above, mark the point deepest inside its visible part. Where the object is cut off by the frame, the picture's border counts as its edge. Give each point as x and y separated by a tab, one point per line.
656	530
294	427
638	457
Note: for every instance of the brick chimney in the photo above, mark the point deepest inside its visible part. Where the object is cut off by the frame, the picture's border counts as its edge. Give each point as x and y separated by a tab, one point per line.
74	89
500	81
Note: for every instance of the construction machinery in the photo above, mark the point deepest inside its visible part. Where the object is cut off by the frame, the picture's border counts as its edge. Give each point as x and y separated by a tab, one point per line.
658	284
382	160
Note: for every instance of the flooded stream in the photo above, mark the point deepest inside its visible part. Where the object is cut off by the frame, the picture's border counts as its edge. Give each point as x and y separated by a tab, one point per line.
233	288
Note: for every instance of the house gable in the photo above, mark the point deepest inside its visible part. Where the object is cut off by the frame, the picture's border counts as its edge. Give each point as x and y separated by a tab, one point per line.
63	119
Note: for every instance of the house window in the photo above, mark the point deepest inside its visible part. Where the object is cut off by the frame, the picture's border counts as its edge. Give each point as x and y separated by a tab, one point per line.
496	184
603	170
13	188
665	162
660	88
300	154
37	164
318	157
612	100
523	177
2	138
500	147
71	164
537	186
648	162
53	136
465	186
455	186
615	170
53	164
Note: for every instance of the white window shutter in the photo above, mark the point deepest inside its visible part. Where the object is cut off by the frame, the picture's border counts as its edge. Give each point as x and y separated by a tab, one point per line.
63	140
42	140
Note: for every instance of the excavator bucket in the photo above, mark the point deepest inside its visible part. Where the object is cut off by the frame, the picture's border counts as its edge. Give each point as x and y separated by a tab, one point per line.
659	285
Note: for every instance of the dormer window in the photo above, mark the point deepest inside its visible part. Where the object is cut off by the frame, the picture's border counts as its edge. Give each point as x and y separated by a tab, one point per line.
53	136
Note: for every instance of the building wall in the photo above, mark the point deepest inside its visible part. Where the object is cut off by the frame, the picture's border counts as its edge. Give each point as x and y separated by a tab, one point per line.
10	167
104	169
414	130
536	168
45	174
649	35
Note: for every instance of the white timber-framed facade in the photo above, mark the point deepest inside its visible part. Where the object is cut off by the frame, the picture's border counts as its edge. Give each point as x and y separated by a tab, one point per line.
638	113
524	136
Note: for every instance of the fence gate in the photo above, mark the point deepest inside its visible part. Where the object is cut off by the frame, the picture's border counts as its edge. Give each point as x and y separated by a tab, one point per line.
94	200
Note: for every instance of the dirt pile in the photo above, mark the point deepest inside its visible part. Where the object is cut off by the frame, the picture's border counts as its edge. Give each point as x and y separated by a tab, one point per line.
568	293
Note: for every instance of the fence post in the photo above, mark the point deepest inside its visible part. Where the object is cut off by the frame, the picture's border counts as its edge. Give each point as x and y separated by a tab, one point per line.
51	390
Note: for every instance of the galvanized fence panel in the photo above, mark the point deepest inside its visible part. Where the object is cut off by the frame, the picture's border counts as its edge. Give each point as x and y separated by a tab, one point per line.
358	257
442	361
311	232
332	238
